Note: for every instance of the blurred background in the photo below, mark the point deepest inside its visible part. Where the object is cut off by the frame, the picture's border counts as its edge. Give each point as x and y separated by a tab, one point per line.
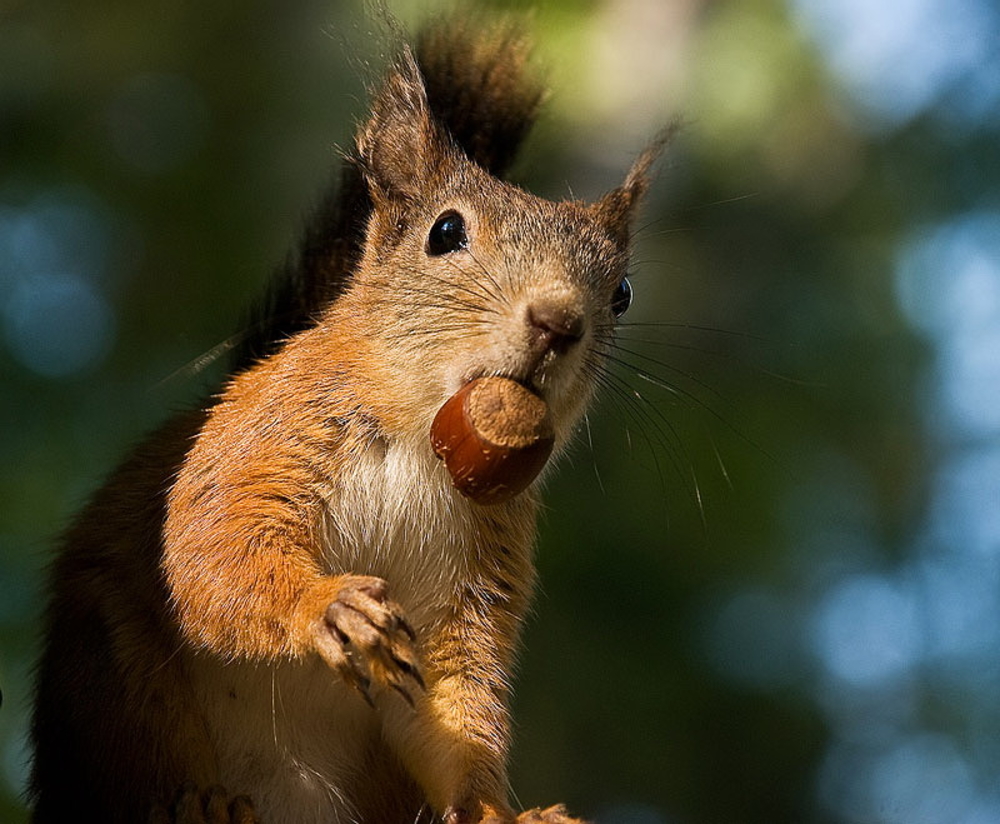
771	568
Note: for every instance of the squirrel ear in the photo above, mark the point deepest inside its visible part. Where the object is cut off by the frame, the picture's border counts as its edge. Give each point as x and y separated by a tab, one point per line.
400	147
618	206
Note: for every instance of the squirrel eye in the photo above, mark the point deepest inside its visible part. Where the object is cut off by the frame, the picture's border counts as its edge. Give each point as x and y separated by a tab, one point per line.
621	300
447	235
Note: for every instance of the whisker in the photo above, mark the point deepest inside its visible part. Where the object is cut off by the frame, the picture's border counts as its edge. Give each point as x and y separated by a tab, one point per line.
649	415
722	202
677	391
676	230
683	394
722	463
663	365
638	263
456	308
458	326
499	293
476	289
615	341
643	228
197	365
433	299
617	338
593	455
699	328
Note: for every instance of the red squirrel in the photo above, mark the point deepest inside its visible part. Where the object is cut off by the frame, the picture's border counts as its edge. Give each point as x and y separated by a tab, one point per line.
283	593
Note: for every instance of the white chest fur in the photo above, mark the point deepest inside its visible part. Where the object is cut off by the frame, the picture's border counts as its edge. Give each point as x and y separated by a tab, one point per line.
291	734
396	515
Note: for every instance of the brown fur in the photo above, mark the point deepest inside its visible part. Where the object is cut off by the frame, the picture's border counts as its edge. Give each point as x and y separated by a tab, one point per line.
257	571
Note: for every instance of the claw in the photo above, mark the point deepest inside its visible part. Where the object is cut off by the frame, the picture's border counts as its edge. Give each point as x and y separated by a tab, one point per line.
362	683
241	811
412	671
404	625
216	804
210	806
366	695
404	661
405	693
367	639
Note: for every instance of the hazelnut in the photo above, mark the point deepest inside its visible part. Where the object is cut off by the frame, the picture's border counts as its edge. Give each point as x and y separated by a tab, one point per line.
494	436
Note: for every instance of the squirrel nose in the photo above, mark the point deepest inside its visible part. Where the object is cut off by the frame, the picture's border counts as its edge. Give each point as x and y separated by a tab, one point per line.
554	325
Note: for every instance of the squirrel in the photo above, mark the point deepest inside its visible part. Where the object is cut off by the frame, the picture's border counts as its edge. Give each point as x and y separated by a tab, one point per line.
282	593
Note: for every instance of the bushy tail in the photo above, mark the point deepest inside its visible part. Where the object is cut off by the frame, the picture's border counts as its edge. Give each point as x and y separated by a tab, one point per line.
481	90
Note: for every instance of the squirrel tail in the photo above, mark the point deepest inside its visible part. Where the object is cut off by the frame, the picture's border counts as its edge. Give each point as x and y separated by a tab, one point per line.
481	90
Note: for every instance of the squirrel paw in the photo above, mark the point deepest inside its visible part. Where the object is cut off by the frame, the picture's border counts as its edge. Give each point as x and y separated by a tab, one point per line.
366	638
555	814
211	806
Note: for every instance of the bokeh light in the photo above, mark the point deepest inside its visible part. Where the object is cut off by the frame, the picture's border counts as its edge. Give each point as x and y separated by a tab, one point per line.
898	59
54	252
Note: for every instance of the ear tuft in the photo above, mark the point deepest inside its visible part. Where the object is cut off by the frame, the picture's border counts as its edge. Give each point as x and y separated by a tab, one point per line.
618	206
400	146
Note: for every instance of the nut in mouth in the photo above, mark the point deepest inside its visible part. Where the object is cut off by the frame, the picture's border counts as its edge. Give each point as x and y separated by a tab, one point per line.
494	435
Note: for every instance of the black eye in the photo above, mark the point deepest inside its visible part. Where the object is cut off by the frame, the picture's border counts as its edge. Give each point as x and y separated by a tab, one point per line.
621	300
447	235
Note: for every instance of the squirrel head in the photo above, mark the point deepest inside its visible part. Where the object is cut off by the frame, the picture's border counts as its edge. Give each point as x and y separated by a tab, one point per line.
462	274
